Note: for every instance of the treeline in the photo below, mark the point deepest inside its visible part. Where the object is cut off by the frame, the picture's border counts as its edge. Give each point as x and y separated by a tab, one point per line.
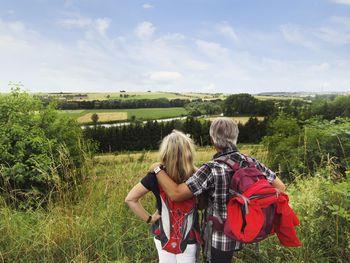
246	104
121	104
329	109
138	136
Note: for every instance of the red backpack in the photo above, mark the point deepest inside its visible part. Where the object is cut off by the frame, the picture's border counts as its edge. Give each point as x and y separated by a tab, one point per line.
251	207
177	224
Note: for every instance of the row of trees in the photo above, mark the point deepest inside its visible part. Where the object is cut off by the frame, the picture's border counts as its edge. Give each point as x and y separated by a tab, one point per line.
121	104
138	136
246	104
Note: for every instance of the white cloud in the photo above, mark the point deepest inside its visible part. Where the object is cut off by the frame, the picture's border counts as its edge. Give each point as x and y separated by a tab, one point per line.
147	6
100	24
298	35
80	22
227	31
165	77
342	2
212	49
336	33
145	30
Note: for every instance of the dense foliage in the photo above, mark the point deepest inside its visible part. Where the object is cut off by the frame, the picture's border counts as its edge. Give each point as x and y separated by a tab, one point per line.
138	136
294	148
330	109
246	104
198	108
39	151
121	104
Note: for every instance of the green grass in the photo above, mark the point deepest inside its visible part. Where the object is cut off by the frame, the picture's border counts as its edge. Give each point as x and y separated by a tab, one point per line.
99	227
140	114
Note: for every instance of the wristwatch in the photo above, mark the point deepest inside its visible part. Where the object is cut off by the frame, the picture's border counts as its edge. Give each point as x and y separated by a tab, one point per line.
158	169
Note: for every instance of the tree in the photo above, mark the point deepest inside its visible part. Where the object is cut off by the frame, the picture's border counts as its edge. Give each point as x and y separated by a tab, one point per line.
94	118
238	104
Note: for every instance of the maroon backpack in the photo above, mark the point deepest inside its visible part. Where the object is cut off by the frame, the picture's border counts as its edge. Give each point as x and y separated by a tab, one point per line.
245	176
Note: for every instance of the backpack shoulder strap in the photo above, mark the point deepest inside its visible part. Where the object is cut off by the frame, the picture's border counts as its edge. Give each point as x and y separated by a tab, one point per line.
235	160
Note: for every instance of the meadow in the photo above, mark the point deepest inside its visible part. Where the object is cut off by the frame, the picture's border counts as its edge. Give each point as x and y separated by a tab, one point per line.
139	114
112	115
240	119
98	226
138	95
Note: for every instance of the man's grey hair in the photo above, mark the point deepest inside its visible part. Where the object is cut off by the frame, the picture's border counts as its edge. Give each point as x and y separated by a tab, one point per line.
224	133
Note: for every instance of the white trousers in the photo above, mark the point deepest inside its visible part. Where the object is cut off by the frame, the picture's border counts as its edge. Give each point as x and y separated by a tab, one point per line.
189	255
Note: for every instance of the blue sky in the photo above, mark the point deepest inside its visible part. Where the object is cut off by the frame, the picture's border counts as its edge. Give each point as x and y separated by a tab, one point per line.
227	46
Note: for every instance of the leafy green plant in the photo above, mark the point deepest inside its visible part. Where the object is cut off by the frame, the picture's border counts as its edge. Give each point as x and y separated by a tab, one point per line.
40	151
293	149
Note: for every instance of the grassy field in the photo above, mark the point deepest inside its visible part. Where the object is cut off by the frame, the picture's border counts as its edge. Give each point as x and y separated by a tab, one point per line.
242	120
99	227
139	95
104	117
279	98
155	95
140	114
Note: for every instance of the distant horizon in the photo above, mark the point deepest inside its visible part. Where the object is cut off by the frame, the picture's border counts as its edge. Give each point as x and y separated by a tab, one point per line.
191	92
225	46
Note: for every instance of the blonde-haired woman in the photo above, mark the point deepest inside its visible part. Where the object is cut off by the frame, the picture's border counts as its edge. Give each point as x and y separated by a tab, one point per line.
176	154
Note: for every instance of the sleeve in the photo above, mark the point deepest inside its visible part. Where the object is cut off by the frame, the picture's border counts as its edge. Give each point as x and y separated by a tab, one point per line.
201	181
270	175
149	181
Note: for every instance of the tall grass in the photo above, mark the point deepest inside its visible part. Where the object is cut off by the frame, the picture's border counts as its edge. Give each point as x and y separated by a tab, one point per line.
98	227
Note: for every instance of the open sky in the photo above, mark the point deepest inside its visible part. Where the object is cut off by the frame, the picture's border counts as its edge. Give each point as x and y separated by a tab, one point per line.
227	46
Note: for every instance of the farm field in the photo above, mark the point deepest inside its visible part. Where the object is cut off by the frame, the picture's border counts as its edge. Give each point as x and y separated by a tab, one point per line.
135	95
243	120
153	95
104	117
279	97
140	114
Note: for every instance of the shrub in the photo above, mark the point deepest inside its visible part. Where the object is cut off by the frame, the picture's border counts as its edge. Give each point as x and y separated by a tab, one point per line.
318	144
39	151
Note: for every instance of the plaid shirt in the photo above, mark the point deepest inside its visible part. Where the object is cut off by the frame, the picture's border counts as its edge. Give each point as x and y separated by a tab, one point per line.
213	178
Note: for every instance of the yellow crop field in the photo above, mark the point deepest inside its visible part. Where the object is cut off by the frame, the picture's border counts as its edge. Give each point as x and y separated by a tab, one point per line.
104	117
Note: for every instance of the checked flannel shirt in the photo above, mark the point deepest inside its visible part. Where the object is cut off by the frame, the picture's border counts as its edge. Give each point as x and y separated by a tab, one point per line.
213	178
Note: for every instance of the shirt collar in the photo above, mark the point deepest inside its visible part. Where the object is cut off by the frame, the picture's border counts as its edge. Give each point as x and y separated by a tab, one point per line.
226	151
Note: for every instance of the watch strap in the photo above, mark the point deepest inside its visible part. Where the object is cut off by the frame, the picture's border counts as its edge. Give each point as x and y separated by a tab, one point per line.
149	219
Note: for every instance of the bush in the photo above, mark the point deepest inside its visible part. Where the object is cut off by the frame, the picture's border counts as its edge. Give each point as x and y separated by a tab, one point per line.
303	150
39	151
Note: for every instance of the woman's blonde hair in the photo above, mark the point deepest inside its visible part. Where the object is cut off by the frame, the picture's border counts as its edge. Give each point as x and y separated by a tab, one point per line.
176	152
